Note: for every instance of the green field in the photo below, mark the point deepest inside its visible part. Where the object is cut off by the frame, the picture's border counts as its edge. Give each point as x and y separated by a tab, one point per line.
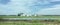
26	23
49	16
18	23
30	22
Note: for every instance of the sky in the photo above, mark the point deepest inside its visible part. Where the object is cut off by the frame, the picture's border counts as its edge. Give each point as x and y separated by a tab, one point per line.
41	7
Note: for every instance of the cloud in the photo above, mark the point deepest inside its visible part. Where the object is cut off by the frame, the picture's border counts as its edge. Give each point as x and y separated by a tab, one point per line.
17	6
54	0
50	11
27	6
14	7
4	1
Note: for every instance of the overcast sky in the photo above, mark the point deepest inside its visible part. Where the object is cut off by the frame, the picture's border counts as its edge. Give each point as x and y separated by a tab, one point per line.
43	7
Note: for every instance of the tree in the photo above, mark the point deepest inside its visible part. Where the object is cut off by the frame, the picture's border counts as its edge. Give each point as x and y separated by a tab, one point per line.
1	18
19	14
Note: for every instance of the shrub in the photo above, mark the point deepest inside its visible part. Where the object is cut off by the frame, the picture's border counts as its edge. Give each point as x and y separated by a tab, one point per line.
35	21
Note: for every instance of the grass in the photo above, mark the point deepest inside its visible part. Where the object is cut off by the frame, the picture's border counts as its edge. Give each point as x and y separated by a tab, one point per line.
18	23
28	23
29	16
25	23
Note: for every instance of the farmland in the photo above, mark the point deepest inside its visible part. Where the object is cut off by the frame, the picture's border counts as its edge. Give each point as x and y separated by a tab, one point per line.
43	16
32	22
27	23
